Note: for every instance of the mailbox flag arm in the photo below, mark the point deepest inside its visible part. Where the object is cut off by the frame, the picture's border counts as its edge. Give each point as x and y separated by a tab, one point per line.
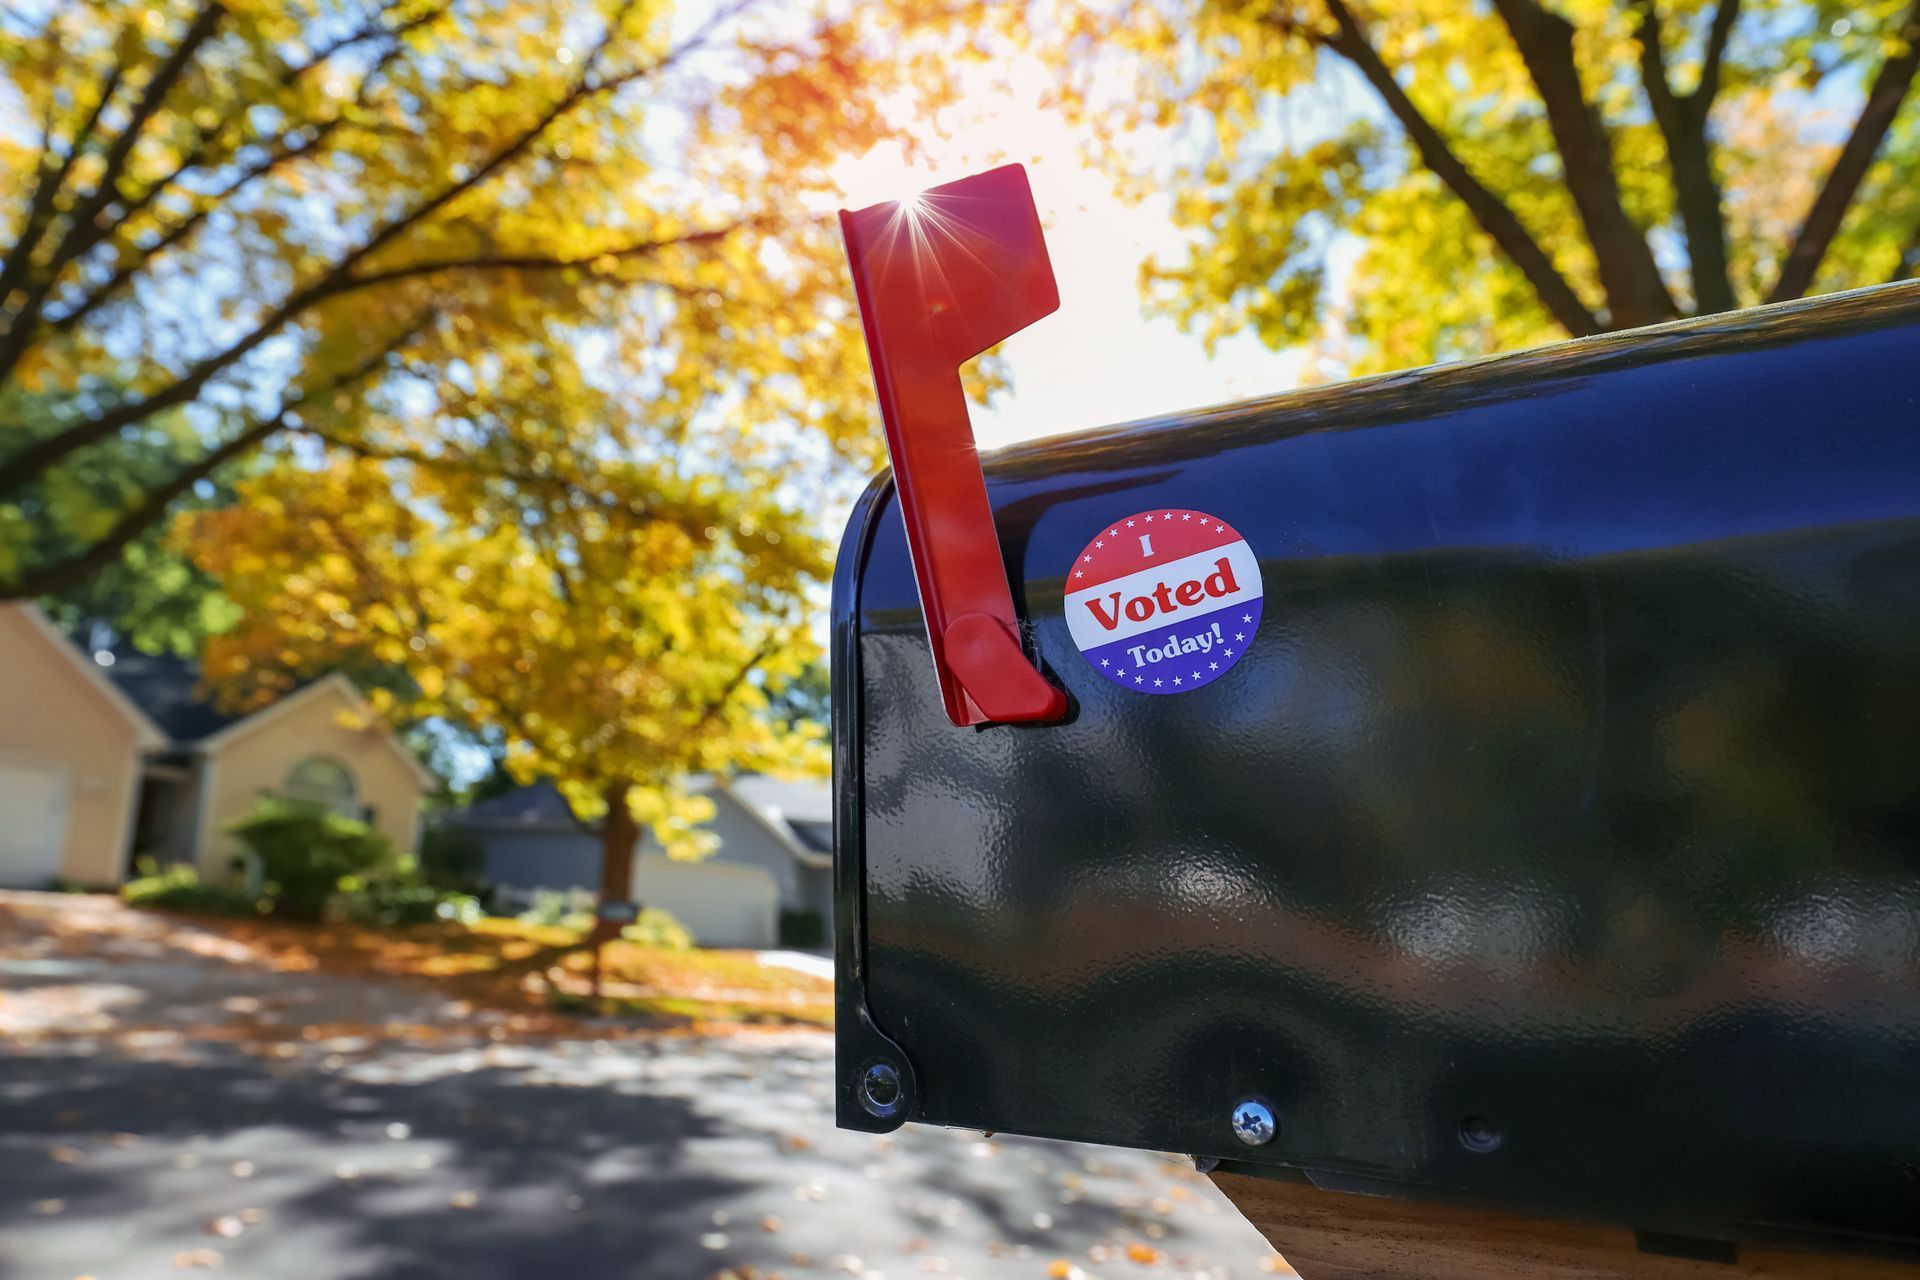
941	278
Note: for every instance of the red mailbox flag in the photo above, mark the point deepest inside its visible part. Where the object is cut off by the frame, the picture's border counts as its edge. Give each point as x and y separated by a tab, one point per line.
940	279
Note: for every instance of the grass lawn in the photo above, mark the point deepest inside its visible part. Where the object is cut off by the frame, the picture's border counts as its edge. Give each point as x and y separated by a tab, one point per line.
502	961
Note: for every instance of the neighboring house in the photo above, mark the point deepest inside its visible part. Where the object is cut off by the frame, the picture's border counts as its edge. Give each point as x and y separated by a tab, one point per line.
775	854
112	756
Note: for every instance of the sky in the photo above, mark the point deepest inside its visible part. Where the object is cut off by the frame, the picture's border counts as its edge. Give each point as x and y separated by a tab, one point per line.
1098	359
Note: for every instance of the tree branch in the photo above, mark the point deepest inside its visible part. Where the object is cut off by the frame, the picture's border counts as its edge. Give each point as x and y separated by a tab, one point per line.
1683	126
279	152
72	570
1816	235
1489	211
373	30
542	262
46	190
29	463
125	273
81	225
1909	263
534	480
1636	294
85	225
1715	55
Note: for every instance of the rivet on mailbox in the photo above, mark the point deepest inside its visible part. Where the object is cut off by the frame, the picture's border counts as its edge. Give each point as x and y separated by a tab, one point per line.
1486	832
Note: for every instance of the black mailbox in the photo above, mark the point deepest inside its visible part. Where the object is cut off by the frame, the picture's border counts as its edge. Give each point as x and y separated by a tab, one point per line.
1494	785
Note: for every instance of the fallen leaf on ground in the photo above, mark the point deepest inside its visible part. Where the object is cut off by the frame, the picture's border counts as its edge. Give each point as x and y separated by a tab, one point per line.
1144	1253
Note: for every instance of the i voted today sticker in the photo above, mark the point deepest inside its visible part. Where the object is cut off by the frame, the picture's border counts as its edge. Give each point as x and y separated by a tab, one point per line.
1164	601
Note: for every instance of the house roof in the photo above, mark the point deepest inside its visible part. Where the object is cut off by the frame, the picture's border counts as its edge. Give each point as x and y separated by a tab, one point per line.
341	687
807	800
539	805
798	814
168	690
150	736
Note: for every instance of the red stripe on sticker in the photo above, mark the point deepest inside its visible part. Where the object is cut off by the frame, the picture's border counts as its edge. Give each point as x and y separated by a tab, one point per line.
1145	540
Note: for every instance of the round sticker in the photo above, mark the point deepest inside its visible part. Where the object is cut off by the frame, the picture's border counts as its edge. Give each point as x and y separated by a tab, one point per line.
1164	601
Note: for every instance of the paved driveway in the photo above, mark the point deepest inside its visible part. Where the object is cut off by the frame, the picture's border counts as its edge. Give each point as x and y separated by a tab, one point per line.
168	1103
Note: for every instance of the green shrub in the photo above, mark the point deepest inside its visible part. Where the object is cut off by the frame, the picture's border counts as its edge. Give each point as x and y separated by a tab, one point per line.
305	853
60	884
452	860
657	928
572	909
178	888
802	929
400	901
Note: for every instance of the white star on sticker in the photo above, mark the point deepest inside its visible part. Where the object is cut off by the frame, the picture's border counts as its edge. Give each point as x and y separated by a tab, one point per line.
1105	663
1139	679
1086	559
1176	680
1149	519
1079	573
1187	516
1129	524
1229	653
1157	684
1213	666
1113	533
1098	544
1238	635
1196	675
1246	617
1219	528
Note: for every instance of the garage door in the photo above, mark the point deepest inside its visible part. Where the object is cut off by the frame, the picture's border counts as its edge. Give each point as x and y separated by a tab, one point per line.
33	825
721	905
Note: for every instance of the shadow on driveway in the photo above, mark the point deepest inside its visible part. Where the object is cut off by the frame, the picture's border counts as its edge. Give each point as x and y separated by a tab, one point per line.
166	1106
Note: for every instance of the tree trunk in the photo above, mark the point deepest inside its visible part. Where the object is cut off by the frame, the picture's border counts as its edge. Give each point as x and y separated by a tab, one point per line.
618	836
1636	295
1884	100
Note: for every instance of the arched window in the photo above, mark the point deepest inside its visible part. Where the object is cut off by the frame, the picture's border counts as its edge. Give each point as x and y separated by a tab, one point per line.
325	782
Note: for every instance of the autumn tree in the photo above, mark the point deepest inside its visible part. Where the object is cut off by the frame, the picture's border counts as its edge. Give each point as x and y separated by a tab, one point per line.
239	227
516	329
1499	174
615	646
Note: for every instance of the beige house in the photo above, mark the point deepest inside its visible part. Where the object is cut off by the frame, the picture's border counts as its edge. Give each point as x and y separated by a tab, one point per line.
108	757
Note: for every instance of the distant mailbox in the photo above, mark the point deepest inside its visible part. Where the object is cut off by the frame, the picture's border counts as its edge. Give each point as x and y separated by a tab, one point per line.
1495	785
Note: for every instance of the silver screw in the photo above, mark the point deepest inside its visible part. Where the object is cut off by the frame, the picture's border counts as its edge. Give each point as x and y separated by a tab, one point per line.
1253	1123
880	1089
